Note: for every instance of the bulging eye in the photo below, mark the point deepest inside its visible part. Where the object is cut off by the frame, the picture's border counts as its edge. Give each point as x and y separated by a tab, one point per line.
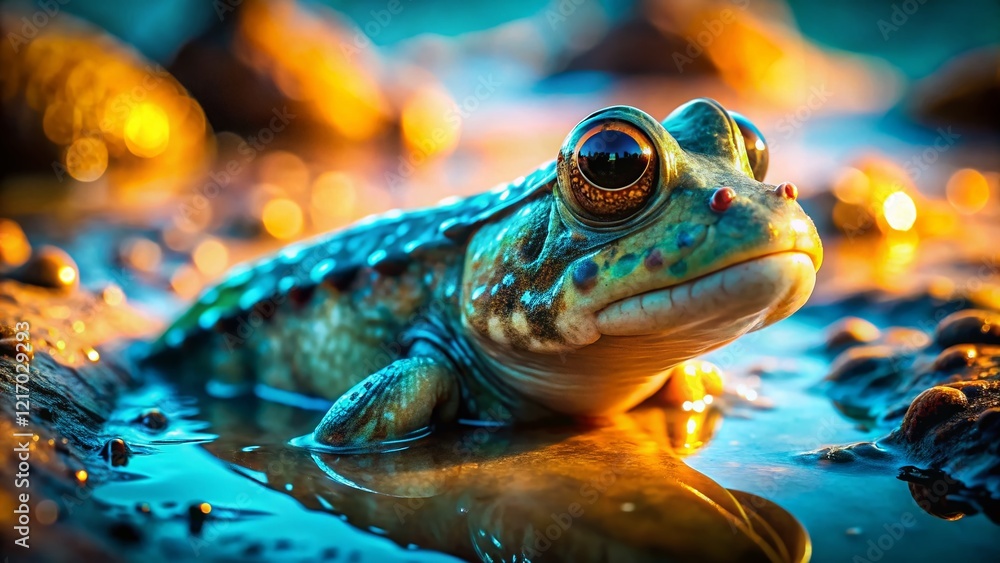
612	160
757	151
614	173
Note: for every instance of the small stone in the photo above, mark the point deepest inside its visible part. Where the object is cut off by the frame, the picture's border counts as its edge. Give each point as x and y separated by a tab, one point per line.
971	326
153	420
197	515
906	338
850	331
930	408
956	358
116	452
871	363
50	267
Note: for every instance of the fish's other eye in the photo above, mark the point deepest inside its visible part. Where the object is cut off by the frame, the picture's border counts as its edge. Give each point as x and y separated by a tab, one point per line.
614	173
757	152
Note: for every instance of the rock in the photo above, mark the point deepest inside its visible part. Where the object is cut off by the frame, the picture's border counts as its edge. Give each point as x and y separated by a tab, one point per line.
50	267
153	420
71	396
971	326
943	395
850	331
116	452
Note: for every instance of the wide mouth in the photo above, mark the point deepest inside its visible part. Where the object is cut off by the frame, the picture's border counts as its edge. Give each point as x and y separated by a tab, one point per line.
742	296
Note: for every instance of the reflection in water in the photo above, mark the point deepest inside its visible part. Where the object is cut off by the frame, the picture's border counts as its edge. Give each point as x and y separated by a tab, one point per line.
613	491
612	159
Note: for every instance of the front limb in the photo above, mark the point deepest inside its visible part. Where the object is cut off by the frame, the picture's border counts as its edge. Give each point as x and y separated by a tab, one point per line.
399	400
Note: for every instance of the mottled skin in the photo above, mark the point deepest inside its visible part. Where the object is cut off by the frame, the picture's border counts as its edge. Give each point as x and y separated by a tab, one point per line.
548	296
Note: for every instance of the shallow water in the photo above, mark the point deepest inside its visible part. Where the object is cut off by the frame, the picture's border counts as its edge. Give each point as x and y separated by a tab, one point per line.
843	508
272	500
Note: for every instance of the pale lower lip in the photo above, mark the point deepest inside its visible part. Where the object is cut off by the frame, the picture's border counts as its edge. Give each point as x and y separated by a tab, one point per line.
754	293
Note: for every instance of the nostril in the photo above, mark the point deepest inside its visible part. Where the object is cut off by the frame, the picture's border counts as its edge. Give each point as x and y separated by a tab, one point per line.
722	199
787	190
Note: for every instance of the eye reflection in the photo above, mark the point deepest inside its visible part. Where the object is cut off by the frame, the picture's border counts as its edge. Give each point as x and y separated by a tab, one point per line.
612	159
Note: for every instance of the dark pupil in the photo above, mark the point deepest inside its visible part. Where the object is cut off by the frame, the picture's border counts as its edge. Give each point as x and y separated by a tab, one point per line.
612	160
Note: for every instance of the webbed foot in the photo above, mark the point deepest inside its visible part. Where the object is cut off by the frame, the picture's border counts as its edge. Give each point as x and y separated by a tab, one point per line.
394	403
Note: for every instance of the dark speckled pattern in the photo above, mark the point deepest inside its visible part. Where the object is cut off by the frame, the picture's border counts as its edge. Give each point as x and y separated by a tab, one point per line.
385	243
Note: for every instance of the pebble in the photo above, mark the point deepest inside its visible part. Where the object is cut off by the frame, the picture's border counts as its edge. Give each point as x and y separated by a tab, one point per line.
152	419
50	267
971	326
850	331
116	452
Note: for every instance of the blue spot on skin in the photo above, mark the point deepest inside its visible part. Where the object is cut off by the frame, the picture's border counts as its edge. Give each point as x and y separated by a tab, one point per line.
684	239
210	295
251	297
291	253
376	257
585	274
238	276
626	264
320	270
286	284
679	268
174	338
